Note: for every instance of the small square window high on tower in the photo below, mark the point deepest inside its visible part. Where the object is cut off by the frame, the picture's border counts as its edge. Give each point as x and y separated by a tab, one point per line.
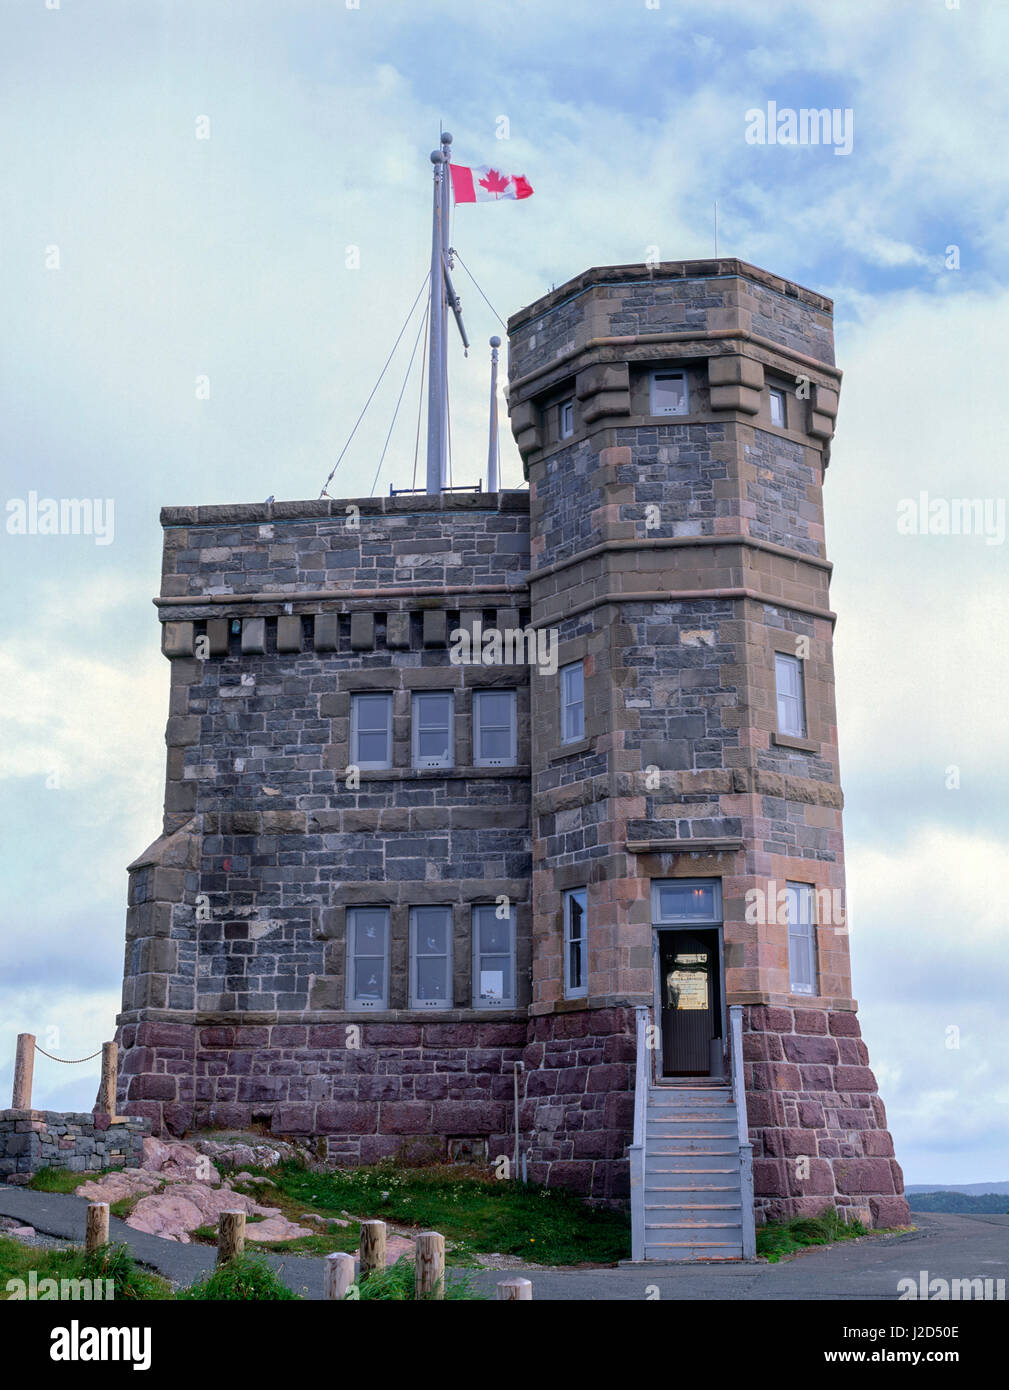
669	393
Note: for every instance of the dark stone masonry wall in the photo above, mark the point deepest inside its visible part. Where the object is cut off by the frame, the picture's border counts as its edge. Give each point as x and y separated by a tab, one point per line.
85	1143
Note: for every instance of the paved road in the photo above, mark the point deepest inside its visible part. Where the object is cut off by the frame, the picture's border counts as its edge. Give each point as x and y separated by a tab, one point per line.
58	1214
948	1247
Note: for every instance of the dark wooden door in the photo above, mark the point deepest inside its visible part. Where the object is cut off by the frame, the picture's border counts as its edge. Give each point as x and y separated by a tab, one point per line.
689	1002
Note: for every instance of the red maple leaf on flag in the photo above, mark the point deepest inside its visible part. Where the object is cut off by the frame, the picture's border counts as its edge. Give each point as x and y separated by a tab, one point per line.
495	182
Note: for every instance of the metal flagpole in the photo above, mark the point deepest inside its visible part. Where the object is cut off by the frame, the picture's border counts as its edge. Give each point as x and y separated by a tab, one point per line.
446	226
492	478
436	408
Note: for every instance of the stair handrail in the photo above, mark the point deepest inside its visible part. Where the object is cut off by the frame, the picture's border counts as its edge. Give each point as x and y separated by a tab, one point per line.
636	1151
743	1133
641	1070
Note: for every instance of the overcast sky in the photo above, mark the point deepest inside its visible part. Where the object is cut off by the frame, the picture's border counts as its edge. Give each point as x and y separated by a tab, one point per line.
136	258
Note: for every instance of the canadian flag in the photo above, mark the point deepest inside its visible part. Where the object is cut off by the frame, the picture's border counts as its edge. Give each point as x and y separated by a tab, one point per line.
487	185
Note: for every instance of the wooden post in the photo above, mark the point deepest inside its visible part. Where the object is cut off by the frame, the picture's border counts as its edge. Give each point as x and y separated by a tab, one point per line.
96	1229
24	1067
515	1290
429	1269
339	1275
372	1247
107	1090
230	1236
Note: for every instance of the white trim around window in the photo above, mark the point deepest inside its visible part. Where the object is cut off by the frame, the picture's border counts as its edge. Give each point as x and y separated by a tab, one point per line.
776	401
802	967
566	415
367	958
576	962
572	702
669	394
495	728
790	695
433	726
371	730
430	958
493	956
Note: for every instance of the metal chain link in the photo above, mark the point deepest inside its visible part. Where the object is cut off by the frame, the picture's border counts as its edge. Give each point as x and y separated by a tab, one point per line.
70	1061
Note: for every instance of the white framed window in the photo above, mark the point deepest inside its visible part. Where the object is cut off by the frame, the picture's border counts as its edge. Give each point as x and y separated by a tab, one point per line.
575	952
367	958
495	728
790	695
669	393
777	399
799	900
493	957
567	419
572	702
433	728
371	730
430	958
687	900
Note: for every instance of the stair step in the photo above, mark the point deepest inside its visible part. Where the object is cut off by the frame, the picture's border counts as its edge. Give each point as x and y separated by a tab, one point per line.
720	1226
692	1148
686	1194
688	1250
678	1208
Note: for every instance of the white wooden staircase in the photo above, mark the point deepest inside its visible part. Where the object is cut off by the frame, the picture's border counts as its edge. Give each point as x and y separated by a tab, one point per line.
691	1173
692	1195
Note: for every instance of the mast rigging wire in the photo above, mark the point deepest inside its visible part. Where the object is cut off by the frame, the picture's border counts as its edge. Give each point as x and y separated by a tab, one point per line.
378	383
399	402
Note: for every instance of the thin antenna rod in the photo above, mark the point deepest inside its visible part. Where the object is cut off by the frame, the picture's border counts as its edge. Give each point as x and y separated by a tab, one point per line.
492	443
716	230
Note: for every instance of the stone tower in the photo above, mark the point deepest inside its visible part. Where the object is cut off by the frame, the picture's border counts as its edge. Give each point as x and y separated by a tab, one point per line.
675	425
402	867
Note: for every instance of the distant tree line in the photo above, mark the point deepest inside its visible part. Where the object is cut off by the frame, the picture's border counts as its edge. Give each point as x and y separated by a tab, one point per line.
960	1203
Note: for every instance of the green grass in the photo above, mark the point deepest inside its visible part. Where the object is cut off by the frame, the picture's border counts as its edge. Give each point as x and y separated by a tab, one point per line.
396	1284
780	1238
131	1283
244	1278
59	1180
476	1213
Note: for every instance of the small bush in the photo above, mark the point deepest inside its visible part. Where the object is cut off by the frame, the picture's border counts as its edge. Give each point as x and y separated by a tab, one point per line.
244	1278
397	1281
779	1238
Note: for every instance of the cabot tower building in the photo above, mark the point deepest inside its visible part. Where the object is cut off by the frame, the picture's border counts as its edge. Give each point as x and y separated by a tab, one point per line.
509	823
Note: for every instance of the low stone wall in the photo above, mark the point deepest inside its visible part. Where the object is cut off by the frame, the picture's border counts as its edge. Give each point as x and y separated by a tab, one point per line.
84	1143
817	1123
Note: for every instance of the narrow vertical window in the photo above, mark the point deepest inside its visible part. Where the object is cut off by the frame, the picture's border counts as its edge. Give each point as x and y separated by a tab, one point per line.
567	419
572	702
432	729
371	730
575	961
669	393
791	700
801	937
367	957
493	957
431	958
777	407
495	731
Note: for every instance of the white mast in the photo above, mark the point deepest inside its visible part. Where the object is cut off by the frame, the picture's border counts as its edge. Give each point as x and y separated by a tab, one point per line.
436	410
492	478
